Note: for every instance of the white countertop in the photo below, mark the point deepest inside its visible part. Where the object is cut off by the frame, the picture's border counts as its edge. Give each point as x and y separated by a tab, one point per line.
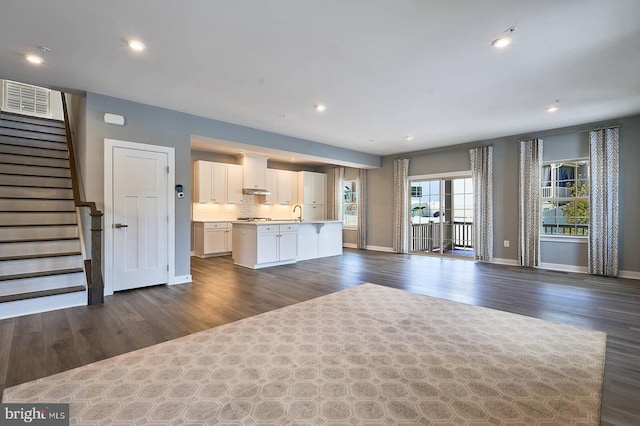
284	222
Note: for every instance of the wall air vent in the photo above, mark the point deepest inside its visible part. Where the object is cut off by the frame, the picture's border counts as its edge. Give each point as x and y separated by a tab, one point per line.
26	99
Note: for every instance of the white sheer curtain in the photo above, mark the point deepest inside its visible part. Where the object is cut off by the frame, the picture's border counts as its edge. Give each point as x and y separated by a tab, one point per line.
482	174
400	201
603	201
529	221
338	182
361	196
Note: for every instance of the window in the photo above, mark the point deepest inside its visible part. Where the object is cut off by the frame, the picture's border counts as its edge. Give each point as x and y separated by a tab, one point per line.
565	198
349	204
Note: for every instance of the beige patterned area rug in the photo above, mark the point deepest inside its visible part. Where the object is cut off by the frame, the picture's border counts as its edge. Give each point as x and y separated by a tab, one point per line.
370	355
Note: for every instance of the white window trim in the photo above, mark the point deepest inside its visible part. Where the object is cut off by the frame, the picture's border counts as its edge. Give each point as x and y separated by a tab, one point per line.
574	239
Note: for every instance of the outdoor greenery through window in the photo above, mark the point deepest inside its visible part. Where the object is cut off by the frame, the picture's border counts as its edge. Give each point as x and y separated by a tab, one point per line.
565	198
349	204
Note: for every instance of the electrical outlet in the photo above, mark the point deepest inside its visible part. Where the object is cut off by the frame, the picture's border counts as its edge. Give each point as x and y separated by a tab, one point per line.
506	243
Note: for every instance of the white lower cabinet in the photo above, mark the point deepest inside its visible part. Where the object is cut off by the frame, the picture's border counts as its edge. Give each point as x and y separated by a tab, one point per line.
320	239
212	238
260	245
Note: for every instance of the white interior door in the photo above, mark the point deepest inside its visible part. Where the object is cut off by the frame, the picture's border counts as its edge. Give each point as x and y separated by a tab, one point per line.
140	218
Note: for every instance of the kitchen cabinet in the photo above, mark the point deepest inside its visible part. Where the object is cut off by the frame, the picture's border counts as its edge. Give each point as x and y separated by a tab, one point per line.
312	188
212	238
260	245
287	187
217	182
311	212
254	172
283	185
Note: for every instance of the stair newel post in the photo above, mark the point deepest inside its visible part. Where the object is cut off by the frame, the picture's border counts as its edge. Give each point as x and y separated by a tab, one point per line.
96	290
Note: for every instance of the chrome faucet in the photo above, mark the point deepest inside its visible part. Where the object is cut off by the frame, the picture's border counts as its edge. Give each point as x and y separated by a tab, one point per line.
294	210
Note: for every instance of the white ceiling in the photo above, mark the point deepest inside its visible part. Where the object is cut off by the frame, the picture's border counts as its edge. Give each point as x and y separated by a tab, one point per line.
384	68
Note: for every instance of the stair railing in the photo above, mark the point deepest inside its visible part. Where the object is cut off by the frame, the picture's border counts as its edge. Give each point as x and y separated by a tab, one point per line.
95	283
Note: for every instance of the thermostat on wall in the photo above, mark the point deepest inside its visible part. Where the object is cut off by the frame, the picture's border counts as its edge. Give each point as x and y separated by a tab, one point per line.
114	119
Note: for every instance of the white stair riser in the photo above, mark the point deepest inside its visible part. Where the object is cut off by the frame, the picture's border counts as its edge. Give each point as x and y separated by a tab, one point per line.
42	304
31	232
35	181
26	266
33	161
28	285
8	218
30	170
26	192
36	205
17	149
40	247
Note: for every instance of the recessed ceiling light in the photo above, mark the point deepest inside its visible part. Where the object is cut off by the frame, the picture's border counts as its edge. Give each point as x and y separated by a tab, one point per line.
320	107
409	137
34	59
505	39
501	42
554	107
136	45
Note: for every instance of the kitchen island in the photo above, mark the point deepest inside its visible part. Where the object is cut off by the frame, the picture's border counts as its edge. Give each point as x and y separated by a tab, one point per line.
258	244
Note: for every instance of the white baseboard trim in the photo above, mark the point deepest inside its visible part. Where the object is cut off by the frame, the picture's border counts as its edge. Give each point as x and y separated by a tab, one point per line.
372	248
192	253
563	268
501	261
629	274
181	279
380	248
43	304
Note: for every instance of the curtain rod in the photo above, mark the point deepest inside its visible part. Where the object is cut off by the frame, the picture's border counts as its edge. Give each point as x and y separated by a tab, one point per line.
565	132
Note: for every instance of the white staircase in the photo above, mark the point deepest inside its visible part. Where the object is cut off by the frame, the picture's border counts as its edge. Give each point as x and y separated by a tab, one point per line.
41	265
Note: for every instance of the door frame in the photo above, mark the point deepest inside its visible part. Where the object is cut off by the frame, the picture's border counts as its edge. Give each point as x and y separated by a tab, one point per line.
431	176
109	145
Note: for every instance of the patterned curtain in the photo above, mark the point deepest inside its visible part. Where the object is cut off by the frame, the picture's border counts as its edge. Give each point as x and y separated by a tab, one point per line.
361	196
338	182
529	202
603	202
400	201
482	173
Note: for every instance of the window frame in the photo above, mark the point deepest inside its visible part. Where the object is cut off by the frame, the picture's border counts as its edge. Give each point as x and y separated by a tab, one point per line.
352	184
553	180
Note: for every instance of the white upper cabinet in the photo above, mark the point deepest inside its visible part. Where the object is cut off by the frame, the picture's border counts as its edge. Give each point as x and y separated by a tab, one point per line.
217	182
312	187
287	187
234	184
255	172
283	185
272	186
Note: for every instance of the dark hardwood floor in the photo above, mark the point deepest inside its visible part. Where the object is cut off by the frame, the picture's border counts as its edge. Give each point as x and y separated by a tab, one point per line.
43	344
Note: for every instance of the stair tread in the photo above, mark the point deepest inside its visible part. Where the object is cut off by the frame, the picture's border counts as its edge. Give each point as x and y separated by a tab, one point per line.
37	198
39	240
42	293
35	176
15	116
34	225
27	154
37	186
35	165
41	274
63	146
40	256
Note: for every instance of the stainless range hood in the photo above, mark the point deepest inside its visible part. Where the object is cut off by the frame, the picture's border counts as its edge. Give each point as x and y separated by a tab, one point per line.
255	191
254	175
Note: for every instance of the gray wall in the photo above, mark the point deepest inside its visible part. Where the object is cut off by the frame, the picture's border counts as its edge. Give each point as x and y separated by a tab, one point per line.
562	143
158	126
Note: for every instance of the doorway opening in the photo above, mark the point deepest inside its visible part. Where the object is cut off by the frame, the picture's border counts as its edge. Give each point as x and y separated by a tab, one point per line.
442	216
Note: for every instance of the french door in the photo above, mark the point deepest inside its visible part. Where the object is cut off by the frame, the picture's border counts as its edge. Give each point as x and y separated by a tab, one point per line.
442	216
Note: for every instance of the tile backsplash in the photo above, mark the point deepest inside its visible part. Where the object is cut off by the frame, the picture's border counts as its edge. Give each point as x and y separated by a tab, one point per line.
251	206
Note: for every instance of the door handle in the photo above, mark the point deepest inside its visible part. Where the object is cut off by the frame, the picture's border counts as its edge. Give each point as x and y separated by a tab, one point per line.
120	225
